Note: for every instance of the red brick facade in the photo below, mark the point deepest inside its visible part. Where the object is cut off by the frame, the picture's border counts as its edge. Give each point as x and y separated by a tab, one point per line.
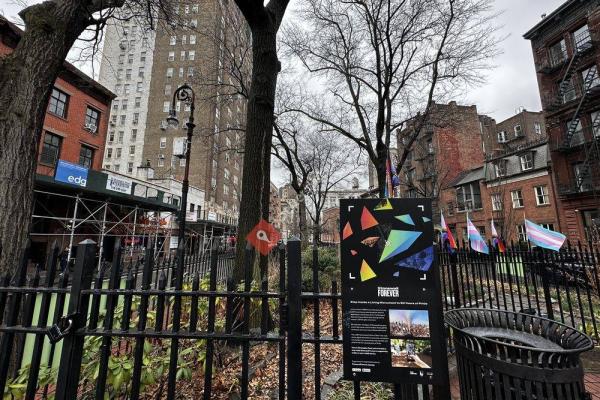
82	92
566	51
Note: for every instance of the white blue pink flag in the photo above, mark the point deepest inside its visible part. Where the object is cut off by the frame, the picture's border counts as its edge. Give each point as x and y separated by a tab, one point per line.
543	237
475	239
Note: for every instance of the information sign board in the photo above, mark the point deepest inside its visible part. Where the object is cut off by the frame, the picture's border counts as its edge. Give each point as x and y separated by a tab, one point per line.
391	299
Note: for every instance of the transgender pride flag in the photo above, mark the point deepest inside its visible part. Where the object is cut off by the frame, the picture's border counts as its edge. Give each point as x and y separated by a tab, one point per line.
475	239
543	237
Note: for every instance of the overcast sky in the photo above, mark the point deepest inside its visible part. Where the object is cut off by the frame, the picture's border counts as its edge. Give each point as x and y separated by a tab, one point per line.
511	85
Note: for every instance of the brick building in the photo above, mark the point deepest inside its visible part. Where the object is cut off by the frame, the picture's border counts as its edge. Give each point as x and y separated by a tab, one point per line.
197	53
449	144
566	52
514	181
77	116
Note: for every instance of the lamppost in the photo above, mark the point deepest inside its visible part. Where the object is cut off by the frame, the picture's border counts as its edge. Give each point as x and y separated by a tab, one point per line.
185	94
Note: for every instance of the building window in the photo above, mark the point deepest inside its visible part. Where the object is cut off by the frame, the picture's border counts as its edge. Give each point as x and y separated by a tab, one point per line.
133	135
502	137
468	197
166	106
182	162
92	119
582	38
518	130
192	39
517	199
583	179
129	61
575	132
130	168
182	56
131	150
522	233
526	161
190	71
138	102
121	58
111	136
569	93
124	104
590	77
173	40
548	226
161	160
194	23
107	166
136	118
126	88
59	102
115	105
109	152
86	156
50	149
171	56
541	195
500	168
118	152
537	127
140	72
118	88
117	168
169	72
497	204
138	87
191	55
558	53
181	72
121	136
119	74
143	57
167	90
163	143
128	73
123	119
195	8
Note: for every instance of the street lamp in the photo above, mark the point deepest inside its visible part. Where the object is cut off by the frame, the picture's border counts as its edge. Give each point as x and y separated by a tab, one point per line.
185	94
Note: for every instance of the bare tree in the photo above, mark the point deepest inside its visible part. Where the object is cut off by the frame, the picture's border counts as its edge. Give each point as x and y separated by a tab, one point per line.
264	21
330	165
383	61
27	78
290	149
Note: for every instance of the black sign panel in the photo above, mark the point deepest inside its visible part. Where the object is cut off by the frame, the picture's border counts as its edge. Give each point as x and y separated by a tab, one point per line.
393	320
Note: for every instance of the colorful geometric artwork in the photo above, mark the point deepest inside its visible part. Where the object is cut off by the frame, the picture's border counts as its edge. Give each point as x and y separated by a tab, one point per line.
397	242
353	252
406	218
421	261
385	205
347	232
367	220
425	219
366	272
370	241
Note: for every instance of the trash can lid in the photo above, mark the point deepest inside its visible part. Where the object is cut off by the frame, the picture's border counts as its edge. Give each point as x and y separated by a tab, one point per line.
517	330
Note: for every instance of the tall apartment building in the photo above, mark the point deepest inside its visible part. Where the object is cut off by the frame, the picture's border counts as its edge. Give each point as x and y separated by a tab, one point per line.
145	68
126	69
449	143
197	53
566	53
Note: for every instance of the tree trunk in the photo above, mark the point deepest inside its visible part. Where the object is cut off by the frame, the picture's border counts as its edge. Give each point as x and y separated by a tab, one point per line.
302	220
259	127
27	76
380	169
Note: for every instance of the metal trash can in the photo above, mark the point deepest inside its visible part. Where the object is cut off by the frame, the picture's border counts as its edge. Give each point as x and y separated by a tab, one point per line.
502	355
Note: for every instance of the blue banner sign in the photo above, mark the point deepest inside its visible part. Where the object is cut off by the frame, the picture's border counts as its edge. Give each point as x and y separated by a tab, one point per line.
70	173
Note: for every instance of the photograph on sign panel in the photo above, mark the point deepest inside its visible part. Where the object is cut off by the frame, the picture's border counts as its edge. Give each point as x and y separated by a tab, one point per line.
409	323
407	353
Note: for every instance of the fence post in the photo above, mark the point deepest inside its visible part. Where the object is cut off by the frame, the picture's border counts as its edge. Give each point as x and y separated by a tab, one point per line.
546	285
454	277
72	350
294	338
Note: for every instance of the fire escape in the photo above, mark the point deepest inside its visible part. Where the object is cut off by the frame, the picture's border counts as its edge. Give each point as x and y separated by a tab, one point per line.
574	136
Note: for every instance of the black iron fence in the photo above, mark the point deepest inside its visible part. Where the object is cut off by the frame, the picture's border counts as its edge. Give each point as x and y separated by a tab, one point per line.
564	286
125	331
